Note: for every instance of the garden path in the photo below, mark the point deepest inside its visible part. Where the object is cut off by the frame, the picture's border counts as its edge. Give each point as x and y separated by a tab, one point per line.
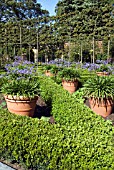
5	167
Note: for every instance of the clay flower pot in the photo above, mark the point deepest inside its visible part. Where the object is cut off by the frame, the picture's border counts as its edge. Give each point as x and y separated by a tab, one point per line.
48	73
102	73
70	86
21	105
101	107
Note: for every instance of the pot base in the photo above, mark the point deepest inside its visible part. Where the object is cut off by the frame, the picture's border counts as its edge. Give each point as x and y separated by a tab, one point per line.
23	108
103	108
70	86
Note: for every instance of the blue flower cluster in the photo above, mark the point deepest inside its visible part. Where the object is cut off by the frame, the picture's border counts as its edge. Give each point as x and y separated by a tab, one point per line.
20	69
64	63
60	62
103	62
90	66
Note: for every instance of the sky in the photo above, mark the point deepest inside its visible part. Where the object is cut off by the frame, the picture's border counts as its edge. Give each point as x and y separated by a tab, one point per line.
49	5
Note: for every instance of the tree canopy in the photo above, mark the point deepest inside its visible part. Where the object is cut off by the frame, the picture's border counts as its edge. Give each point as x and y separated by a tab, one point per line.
24	22
20	10
86	17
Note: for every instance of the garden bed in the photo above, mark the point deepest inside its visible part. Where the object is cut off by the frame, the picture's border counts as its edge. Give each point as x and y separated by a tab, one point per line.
79	139
43	110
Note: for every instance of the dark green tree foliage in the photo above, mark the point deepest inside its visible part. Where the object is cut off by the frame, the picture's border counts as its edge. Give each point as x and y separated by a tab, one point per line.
19	10
75	20
20	18
86	17
79	20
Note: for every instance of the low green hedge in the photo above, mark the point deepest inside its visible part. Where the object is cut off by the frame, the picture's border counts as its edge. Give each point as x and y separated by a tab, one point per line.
79	140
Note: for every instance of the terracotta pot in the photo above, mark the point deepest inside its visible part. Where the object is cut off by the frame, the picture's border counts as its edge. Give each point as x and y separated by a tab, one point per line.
48	73
20	105
101	107
102	73
70	86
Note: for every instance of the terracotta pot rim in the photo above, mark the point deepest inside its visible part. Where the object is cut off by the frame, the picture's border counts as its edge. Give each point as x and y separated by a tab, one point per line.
20	101
70	81
100	99
102	73
49	73
103	102
19	98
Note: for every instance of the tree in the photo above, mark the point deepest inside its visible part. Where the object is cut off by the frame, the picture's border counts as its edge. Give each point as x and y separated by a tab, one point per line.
19	22
20	10
80	20
86	17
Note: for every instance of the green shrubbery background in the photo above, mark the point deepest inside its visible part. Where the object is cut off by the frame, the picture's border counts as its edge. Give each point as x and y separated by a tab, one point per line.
78	140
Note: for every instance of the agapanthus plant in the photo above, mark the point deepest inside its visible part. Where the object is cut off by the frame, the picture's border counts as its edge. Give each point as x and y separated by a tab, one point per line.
103	61
102	68
90	66
20	68
22	87
52	68
69	74
99	87
20	79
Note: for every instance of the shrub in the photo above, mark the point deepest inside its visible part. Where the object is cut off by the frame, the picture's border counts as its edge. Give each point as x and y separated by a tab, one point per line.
85	74
19	79
103	68
69	74
100	87
52	68
79	140
21	87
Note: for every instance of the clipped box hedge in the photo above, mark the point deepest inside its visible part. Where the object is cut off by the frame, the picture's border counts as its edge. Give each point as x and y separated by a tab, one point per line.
79	140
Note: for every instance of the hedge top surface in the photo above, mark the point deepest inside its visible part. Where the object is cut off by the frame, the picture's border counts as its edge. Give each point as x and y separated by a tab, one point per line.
79	140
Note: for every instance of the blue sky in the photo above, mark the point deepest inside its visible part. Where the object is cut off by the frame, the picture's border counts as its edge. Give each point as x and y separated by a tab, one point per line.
49	5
